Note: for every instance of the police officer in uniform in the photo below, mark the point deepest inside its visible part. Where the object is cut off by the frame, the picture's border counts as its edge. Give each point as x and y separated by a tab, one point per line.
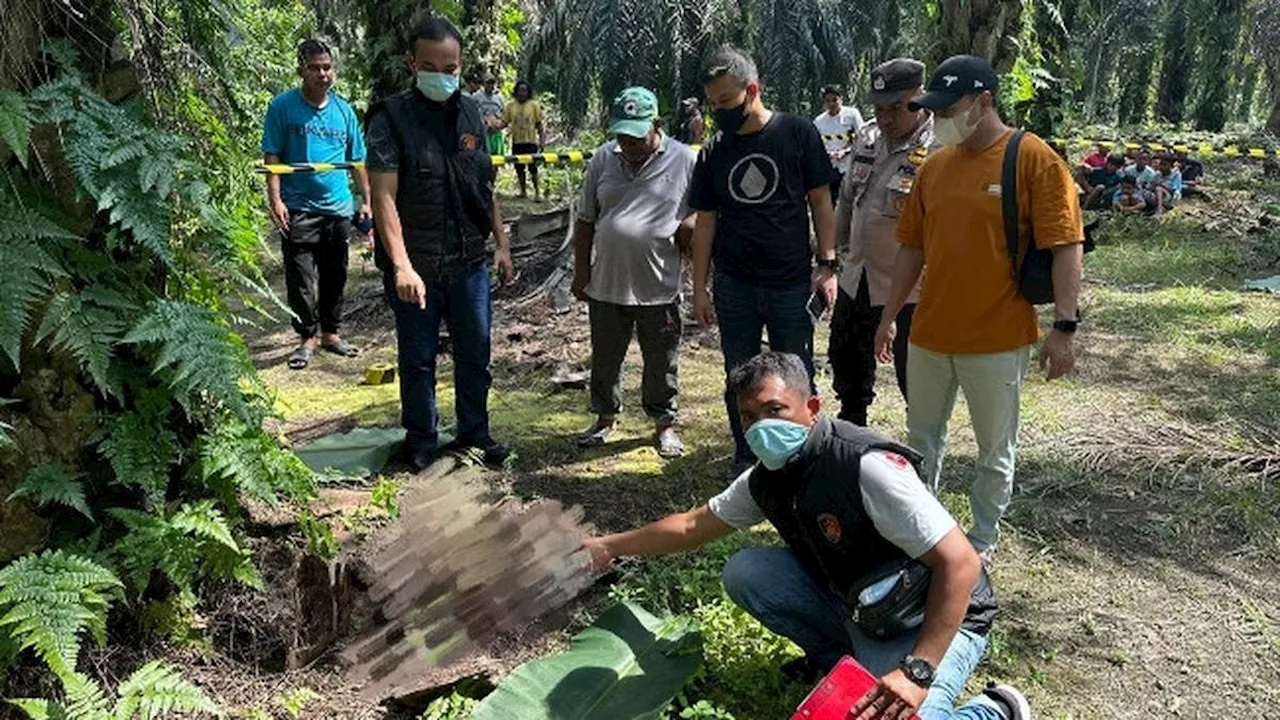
886	153
432	185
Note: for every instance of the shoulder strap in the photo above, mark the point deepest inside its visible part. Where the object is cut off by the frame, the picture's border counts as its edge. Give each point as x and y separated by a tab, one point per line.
1009	197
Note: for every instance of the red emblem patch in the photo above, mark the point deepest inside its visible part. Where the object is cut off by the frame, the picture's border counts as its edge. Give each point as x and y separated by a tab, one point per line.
830	526
897	461
468	142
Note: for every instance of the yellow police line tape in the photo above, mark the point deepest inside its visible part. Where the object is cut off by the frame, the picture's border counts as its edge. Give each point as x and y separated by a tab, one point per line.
577	156
573	156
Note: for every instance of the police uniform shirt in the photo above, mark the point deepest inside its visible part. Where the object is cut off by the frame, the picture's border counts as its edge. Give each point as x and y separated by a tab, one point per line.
872	197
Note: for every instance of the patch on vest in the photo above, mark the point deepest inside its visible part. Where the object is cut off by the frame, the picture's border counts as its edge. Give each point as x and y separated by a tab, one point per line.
467	141
830	526
897	461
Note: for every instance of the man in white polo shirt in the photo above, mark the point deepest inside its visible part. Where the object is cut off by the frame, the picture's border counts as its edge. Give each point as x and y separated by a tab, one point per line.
838	124
627	263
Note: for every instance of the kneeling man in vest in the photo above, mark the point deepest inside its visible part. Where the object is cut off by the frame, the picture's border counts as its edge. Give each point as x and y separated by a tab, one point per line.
851	508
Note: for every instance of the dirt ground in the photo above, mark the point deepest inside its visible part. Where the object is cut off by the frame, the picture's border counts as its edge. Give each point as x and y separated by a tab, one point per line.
1137	572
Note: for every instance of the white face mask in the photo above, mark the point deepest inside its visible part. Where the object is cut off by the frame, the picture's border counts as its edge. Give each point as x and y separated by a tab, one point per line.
956	129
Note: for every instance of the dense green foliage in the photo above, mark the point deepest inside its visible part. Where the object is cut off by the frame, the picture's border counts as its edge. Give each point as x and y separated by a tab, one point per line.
131	262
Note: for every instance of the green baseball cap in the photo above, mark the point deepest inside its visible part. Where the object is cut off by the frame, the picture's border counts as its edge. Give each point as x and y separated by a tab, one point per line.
633	112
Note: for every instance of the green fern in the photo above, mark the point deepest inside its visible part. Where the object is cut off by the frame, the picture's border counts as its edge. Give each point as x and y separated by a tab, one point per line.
245	460
88	325
206	359
27	270
141	451
156	690
6	440
53	483
15	123
152	691
49	599
195	542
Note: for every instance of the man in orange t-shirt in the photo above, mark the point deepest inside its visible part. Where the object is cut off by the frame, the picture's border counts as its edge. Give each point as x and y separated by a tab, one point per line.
972	329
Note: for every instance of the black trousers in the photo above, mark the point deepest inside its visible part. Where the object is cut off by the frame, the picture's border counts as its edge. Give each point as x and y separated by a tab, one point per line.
852	351
526	149
835	188
658	329
315	270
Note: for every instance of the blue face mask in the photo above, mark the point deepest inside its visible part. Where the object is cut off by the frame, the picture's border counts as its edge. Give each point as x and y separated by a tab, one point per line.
776	441
437	86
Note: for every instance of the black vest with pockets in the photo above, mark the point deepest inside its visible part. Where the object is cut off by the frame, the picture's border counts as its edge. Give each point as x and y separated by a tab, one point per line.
815	503
445	195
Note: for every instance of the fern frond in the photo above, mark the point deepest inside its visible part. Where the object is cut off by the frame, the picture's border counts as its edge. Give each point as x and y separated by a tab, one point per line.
6	440
85	698
156	690
252	463
195	542
88	325
205	358
54	483
205	521
15	123
27	270
39	709
144	214
49	599
141	451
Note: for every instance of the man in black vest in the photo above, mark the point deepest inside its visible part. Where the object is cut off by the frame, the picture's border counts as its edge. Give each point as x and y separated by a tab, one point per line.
848	503
432	183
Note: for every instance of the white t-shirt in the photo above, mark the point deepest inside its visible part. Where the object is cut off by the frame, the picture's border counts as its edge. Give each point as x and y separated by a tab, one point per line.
846	123
902	509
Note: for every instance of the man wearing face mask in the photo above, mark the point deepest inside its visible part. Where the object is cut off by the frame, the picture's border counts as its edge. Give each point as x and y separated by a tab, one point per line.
754	188
848	504
886	157
434	208
632	214
972	329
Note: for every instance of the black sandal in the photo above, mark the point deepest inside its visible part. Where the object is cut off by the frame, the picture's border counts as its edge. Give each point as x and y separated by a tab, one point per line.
341	348
301	357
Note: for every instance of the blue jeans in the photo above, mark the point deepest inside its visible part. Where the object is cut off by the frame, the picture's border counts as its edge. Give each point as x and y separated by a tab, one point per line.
743	312
462	302
771	585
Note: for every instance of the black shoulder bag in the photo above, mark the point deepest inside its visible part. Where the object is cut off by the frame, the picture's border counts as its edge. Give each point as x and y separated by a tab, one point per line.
1034	275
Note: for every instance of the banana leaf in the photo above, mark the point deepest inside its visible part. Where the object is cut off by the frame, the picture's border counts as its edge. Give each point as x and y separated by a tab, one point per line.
627	666
358	453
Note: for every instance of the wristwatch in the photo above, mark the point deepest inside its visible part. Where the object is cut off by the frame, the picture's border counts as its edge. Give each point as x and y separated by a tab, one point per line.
1066	326
832	264
918	670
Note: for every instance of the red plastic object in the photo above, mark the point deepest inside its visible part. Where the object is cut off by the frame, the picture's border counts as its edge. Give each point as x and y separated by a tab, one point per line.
831	699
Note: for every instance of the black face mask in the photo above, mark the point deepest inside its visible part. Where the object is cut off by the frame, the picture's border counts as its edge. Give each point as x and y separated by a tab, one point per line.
731	120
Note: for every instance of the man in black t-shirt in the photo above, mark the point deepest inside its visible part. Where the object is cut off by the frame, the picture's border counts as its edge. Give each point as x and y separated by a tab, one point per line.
754	187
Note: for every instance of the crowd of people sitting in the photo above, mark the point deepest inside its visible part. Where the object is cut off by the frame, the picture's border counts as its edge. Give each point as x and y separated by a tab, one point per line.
1129	183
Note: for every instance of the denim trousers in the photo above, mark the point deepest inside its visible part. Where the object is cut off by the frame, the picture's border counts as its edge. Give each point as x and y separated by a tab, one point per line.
462	302
743	312
992	385
772	585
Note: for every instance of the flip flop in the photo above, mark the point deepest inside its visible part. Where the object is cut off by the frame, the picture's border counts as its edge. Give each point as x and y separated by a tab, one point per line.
300	357
341	348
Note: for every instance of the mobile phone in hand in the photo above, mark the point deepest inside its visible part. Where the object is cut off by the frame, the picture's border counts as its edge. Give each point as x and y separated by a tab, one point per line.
816	306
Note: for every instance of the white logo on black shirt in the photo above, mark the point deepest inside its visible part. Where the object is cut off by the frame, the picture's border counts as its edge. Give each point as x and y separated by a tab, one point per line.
753	179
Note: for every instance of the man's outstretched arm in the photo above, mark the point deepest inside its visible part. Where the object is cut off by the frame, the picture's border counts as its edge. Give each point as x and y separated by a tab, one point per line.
673	533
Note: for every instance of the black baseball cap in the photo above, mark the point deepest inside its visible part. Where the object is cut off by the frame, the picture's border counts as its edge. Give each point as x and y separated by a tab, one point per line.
889	80
956	77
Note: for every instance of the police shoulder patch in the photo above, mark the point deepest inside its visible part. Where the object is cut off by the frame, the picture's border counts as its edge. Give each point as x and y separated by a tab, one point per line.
830	526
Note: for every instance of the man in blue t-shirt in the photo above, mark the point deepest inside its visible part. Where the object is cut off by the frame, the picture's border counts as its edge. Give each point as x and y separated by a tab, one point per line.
314	211
754	187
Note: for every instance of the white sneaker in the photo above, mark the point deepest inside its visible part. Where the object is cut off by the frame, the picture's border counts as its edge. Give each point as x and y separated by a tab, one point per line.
1010	702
